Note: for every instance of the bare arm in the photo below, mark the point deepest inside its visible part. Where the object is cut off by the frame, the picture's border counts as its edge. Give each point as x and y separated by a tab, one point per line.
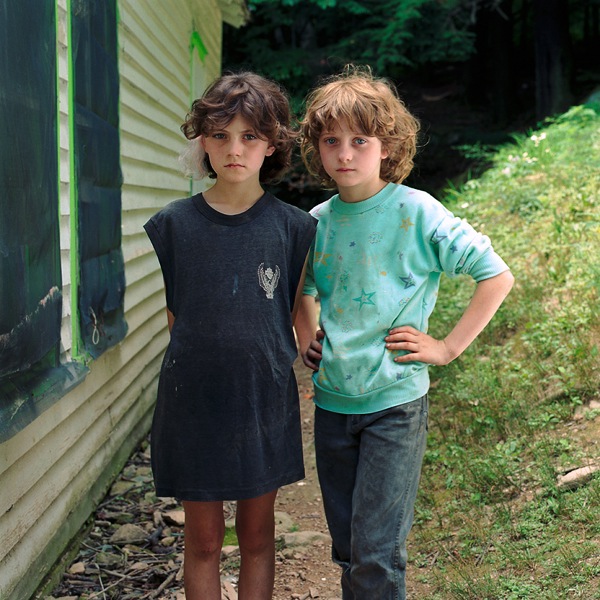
308	335
299	294
170	319
488	296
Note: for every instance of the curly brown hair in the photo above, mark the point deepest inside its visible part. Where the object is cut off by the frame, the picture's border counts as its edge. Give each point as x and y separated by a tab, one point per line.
262	102
369	104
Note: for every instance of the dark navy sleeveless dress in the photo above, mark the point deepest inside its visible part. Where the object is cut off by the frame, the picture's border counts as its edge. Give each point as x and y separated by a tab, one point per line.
227	424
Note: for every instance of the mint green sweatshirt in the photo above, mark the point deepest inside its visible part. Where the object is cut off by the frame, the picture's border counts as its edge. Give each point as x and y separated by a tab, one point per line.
376	265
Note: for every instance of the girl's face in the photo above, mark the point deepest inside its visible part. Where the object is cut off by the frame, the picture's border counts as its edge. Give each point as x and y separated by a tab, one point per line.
236	153
353	161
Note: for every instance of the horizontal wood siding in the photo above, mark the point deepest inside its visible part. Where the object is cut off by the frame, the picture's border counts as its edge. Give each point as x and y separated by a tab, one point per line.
54	472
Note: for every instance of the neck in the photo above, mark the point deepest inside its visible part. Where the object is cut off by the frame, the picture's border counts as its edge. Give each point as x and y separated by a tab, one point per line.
233	199
360	193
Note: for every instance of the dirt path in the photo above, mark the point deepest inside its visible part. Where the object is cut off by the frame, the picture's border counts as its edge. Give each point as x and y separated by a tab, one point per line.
308	569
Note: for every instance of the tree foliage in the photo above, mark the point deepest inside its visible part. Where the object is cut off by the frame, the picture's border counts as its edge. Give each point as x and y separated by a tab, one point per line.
502	46
470	69
294	40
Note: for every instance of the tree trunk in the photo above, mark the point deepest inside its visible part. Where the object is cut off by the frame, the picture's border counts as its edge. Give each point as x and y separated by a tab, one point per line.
501	54
492	80
552	57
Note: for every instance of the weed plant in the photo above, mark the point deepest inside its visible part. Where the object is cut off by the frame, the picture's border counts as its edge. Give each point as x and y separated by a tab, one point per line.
491	521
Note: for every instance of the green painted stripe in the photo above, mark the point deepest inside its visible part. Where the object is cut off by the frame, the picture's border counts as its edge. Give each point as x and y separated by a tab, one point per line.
197	44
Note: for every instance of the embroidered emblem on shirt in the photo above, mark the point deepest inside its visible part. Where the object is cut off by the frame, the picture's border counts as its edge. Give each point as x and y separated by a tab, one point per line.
268	279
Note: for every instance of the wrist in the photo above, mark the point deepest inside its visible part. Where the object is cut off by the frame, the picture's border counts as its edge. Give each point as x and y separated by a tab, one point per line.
451	351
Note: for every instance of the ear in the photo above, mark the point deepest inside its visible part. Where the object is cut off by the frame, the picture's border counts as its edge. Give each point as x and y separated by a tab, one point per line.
202	141
384	153
270	151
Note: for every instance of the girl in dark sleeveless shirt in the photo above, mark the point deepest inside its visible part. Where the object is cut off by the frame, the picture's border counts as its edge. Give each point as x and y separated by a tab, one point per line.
227	424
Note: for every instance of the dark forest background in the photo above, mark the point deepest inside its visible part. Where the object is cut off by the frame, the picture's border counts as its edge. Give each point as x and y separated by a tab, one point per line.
473	71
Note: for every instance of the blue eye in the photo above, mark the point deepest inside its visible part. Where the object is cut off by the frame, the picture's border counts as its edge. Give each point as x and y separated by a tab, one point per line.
360	141
249	137
329	141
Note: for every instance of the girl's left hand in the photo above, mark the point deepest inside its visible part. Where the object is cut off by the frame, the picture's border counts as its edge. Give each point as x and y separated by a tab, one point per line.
420	346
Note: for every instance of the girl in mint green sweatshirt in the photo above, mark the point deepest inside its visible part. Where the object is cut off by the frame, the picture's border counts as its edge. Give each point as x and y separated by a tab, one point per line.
375	266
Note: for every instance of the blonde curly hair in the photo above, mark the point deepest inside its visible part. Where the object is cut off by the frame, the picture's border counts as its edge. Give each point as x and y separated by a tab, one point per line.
369	104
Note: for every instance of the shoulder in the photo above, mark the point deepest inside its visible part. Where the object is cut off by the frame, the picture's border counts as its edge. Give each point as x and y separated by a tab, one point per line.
319	211
417	198
291	213
177	211
177	208
174	209
422	205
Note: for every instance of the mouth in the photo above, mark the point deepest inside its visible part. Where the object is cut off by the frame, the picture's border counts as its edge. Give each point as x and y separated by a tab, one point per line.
234	166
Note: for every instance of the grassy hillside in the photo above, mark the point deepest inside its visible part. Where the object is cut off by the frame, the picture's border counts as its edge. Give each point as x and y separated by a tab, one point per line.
513	413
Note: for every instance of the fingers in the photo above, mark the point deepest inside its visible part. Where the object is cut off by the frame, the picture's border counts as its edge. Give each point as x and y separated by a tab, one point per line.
404	329
403	338
410	357
308	362
415	343
313	355
419	347
316	347
408	346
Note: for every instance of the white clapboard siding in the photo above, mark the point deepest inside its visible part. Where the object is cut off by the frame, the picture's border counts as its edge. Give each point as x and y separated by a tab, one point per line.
127	373
61	456
55	471
60	520
68	457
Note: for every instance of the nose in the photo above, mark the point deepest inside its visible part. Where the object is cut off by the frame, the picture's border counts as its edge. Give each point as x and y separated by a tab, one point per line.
344	154
235	147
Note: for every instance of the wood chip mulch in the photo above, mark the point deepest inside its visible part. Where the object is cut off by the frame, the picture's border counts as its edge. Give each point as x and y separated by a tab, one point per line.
134	548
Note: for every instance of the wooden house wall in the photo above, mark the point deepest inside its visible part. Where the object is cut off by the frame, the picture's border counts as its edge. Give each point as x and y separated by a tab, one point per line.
55	471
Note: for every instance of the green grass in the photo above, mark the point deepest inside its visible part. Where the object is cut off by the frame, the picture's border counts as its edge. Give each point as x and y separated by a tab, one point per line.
230	537
491	523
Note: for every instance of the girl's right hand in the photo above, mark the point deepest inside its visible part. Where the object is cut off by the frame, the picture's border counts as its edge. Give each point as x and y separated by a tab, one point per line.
312	356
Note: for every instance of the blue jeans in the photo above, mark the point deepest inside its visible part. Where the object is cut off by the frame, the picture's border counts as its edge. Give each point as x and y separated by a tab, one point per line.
369	468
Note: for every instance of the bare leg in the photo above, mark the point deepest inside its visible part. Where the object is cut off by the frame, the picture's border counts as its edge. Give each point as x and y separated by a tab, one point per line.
255	527
203	534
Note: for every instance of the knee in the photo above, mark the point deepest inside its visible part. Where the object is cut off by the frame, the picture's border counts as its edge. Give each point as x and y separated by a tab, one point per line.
204	552
204	545
255	540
